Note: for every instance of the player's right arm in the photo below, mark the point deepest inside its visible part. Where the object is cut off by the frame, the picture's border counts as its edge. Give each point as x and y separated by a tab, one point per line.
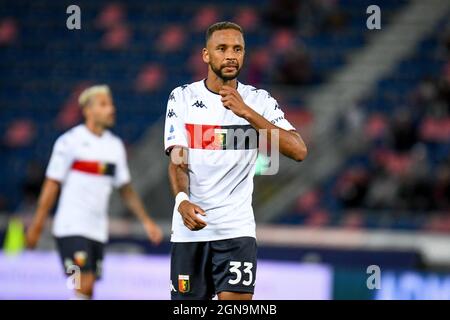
57	169
47	198
179	181
176	145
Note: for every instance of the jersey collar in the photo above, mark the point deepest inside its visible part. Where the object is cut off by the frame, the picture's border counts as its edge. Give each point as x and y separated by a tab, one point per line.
204	83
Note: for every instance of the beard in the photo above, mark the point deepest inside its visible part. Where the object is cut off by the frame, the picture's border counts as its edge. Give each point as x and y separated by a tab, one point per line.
219	73
109	123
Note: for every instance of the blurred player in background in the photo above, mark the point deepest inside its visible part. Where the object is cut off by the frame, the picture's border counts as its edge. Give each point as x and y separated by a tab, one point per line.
86	162
213	226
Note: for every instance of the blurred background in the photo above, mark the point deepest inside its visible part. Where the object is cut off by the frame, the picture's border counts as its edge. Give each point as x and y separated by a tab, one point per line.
372	105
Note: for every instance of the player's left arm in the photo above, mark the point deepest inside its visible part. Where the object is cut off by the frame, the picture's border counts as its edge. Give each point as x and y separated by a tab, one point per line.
134	203
122	181
290	142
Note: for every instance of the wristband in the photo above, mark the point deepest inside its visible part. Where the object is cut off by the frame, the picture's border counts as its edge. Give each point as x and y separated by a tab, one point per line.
181	196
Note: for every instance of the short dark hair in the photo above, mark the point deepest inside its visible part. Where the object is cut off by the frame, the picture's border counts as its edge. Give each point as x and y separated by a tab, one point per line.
223	25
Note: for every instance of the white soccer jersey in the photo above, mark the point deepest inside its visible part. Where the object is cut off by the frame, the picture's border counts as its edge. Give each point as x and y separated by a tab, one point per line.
221	169
88	166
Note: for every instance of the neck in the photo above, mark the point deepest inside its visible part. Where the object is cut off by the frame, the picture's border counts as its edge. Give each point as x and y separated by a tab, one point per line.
95	129
214	83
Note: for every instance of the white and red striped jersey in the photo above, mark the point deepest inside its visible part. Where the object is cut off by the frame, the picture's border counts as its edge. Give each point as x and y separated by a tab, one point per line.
88	167
222	155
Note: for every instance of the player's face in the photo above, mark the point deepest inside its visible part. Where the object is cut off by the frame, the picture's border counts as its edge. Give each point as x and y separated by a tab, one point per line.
102	111
224	53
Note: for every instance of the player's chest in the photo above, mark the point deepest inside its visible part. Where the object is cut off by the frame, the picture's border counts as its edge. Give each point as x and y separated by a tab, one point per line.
209	125
96	150
209	110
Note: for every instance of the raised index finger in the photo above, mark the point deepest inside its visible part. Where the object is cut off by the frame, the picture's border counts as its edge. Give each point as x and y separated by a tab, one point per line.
224	91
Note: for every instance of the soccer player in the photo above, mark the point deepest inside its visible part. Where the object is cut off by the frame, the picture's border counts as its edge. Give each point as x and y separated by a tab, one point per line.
213	226
86	163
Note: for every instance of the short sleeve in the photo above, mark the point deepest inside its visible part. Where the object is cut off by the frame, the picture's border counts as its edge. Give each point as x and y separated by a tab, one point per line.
273	113
122	174
60	160
174	129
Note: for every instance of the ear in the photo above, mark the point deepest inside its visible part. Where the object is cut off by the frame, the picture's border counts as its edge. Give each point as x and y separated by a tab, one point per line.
85	111
205	55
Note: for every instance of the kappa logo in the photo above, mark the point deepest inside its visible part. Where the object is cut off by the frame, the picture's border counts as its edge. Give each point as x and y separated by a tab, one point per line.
171	113
172	96
172	288
199	104
184	285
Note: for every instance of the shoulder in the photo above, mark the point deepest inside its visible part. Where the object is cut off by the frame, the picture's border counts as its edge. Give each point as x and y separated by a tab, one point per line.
69	137
184	90
114	139
253	92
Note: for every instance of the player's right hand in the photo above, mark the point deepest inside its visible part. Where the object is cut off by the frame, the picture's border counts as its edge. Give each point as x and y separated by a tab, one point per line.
189	211
32	236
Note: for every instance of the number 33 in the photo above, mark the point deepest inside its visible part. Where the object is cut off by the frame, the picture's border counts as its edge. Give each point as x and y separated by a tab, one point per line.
234	268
